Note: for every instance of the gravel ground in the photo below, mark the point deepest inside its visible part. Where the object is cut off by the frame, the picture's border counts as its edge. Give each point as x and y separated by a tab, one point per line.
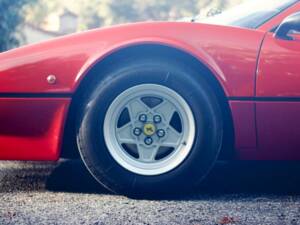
64	193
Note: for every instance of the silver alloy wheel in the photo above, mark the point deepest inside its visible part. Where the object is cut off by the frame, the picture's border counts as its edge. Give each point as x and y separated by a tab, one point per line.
150	141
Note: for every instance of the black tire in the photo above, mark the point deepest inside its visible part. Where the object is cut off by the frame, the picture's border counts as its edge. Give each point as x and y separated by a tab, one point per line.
187	83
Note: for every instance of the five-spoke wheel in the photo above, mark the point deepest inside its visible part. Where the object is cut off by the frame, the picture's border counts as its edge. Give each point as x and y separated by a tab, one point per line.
149	129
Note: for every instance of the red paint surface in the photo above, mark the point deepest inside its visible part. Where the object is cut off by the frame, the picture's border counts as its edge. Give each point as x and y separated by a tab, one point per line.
279	68
278	123
229	52
278	126
243	113
31	129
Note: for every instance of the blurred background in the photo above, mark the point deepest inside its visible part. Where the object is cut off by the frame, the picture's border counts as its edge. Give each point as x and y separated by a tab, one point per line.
32	21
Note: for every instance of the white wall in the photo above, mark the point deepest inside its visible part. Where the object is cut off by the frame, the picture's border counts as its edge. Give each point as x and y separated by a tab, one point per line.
33	35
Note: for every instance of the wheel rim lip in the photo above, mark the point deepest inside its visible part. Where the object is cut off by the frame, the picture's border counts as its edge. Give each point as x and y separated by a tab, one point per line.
128	162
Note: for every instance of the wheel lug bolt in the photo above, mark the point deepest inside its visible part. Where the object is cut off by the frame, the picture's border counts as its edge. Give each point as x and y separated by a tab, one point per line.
160	133
137	131
143	118
157	119
148	141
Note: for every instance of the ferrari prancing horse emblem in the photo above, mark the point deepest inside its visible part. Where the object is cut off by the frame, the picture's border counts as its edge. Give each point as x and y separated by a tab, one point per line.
149	129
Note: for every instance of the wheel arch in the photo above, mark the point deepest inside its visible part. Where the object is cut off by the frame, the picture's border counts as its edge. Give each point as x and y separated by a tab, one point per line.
98	68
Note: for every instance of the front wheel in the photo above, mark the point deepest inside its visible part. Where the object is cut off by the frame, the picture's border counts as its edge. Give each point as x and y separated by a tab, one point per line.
152	128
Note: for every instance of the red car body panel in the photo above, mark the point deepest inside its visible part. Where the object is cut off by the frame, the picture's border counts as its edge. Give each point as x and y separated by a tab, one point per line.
230	53
278	77
278	70
278	130
32	127
243	114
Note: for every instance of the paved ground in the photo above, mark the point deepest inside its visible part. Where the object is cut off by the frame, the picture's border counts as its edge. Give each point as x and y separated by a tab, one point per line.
63	193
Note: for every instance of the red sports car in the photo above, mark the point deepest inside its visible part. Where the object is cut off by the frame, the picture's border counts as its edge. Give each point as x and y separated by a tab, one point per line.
151	106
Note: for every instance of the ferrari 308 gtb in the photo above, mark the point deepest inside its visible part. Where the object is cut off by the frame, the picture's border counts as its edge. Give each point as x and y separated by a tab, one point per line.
150	107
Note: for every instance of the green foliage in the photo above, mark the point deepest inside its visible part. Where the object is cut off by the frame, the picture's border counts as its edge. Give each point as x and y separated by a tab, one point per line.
11	16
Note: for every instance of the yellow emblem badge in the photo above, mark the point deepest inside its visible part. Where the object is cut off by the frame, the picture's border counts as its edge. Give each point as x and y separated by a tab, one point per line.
149	129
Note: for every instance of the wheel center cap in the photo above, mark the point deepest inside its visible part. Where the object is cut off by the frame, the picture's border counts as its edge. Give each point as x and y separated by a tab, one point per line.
149	129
